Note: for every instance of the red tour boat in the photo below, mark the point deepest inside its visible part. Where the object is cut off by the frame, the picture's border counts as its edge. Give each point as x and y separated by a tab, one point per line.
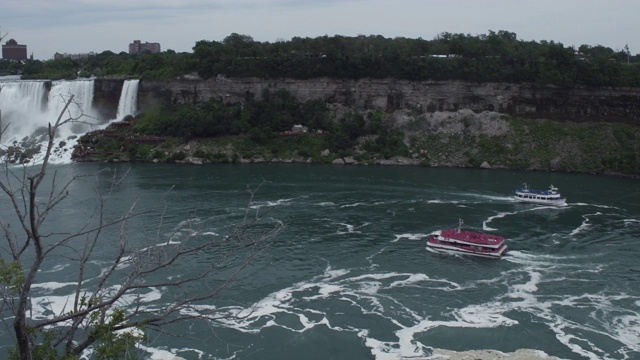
468	243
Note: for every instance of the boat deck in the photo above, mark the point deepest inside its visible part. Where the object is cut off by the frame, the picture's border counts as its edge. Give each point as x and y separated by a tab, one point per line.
472	237
537	192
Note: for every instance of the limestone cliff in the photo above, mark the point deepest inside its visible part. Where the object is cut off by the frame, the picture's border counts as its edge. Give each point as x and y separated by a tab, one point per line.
527	100
489	125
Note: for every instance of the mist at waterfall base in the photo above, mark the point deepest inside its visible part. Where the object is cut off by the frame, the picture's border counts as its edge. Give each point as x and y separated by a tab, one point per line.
27	107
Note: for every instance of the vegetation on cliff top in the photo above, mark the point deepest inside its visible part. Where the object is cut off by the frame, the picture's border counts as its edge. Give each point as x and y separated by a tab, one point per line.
493	57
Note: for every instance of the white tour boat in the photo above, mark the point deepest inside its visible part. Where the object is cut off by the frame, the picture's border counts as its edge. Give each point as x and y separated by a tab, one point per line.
543	197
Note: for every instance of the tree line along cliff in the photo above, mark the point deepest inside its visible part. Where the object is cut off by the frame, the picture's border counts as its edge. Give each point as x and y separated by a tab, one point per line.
498	57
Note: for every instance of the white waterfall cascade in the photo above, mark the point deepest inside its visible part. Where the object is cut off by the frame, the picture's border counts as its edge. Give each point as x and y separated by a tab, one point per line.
23	108
26	109
128	104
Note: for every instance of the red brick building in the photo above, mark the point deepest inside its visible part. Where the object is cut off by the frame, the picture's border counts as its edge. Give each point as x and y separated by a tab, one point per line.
13	51
137	47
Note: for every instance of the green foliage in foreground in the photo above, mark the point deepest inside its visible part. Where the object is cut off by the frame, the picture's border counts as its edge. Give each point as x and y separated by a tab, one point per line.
11	276
110	344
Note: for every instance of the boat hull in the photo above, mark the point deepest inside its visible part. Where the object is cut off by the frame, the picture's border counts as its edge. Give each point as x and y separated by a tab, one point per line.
554	202
456	250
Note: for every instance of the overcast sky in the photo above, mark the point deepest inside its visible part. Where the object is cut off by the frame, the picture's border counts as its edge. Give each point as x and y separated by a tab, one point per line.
80	26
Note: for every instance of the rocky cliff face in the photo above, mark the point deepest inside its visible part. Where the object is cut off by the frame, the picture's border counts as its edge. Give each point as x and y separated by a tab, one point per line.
527	100
444	123
106	96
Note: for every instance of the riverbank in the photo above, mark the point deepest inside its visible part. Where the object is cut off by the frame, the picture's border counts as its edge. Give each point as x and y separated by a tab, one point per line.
442	139
520	354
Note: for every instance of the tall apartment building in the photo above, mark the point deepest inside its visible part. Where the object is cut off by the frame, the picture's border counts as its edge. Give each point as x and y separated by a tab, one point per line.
137	47
11	50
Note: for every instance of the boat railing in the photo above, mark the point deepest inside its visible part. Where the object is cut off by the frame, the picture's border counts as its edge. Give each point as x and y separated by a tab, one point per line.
552	190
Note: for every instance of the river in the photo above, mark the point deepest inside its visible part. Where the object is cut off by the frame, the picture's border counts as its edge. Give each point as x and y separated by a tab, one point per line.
350	276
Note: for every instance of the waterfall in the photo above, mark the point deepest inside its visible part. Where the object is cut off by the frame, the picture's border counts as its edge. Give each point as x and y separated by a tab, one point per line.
82	90
128	104
22	106
27	107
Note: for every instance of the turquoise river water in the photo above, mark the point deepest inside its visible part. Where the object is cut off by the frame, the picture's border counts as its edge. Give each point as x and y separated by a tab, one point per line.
350	276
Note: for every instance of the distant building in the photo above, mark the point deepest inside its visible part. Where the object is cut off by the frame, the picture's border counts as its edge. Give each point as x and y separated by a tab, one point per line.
13	51
58	56
137	47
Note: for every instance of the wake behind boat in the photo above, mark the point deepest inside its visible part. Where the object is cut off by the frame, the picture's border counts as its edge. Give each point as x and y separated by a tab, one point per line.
543	197
468	243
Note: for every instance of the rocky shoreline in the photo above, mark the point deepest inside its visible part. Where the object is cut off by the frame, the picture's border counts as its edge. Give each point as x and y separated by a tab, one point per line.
520	354
463	138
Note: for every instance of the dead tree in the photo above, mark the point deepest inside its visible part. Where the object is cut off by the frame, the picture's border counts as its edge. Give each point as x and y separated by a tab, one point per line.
100	311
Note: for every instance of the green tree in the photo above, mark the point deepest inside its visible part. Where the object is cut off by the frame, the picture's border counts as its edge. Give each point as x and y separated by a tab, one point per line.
498	56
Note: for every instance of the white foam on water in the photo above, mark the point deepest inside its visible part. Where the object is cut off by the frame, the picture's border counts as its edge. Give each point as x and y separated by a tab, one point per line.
372	294
325	203
530	259
279	202
412	280
409	237
595	205
499	216
353	205
490	197
49	286
350	229
45	306
544	207
630	222
161	354
56	268
362	292
486	228
585	224
610	317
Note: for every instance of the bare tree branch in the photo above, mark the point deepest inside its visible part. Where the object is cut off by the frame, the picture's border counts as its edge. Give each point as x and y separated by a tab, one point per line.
100	308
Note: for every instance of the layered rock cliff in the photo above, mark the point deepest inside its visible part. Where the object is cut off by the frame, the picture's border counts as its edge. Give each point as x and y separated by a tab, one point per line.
523	126
527	100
